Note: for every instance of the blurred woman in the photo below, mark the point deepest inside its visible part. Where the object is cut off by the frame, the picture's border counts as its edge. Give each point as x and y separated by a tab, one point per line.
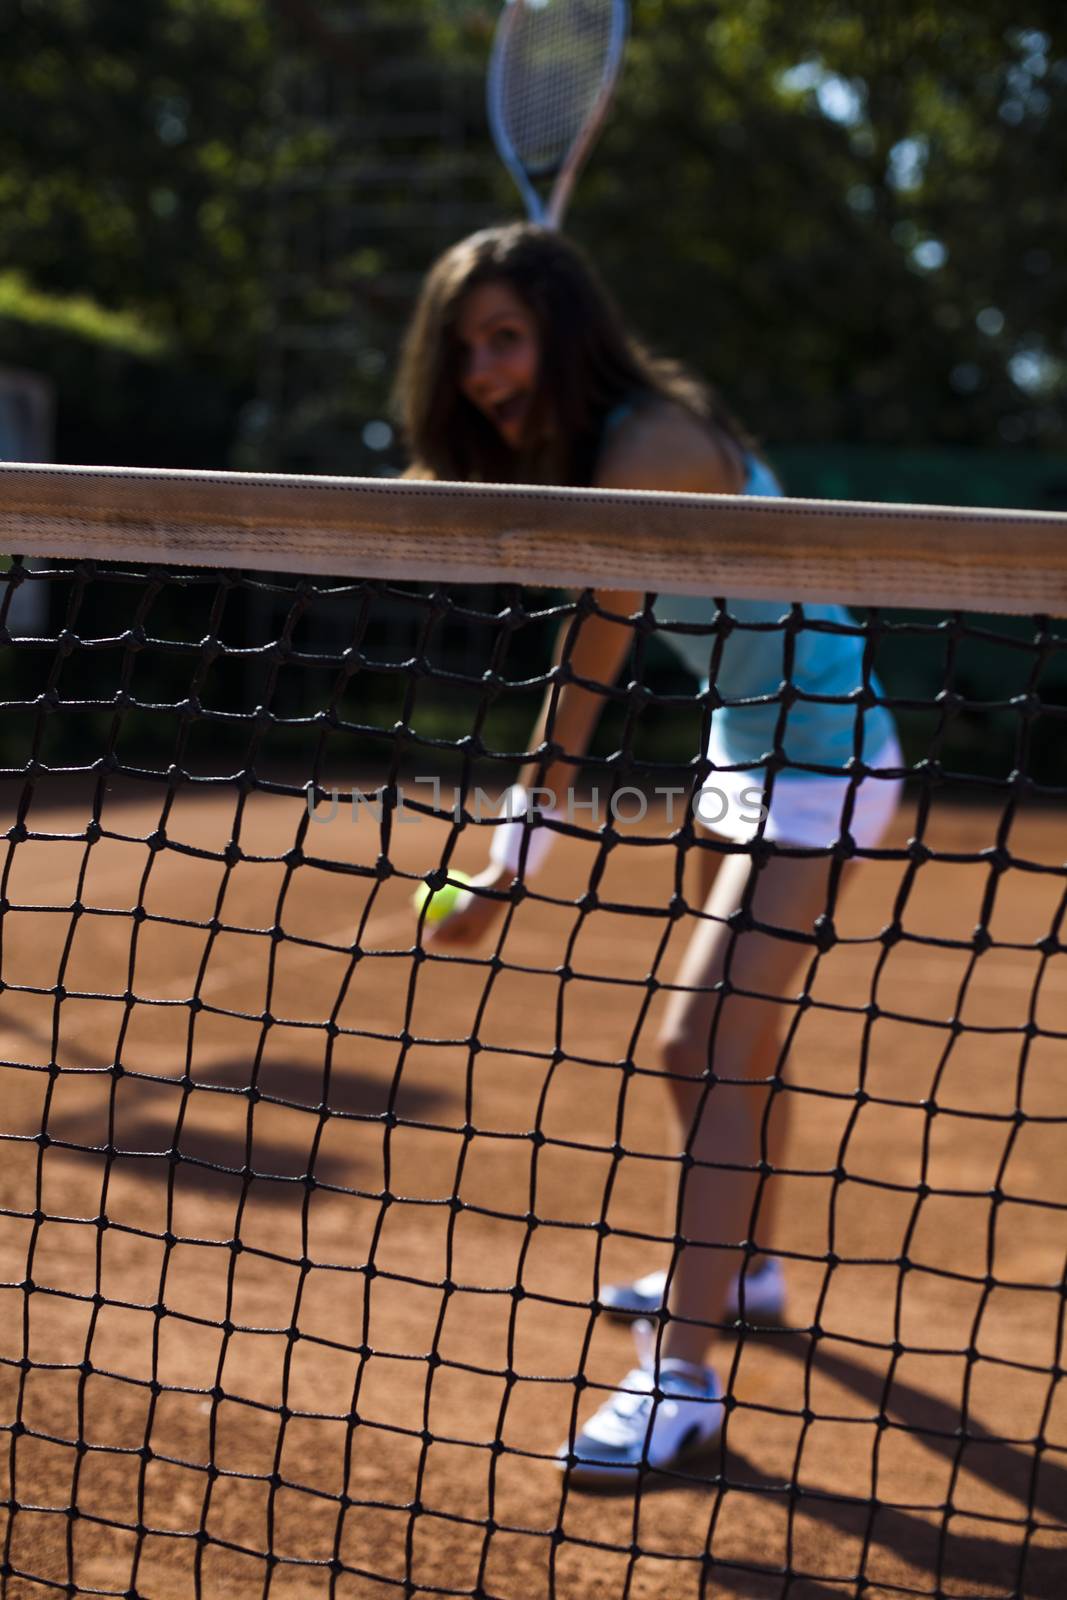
518	368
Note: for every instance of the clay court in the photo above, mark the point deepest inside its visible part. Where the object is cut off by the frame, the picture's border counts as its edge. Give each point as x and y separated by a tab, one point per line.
215	1387
306	1219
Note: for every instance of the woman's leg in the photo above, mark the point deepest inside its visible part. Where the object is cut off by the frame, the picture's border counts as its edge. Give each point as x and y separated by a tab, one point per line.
733	1034
769	1134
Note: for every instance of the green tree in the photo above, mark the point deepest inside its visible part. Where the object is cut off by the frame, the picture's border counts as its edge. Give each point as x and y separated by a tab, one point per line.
847	215
854	212
132	170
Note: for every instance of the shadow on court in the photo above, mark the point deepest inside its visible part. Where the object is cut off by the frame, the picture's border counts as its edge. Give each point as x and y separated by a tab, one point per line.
195	1356
923	1539
222	1138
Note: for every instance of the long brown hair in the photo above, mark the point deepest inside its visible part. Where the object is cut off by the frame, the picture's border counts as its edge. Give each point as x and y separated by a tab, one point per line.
590	363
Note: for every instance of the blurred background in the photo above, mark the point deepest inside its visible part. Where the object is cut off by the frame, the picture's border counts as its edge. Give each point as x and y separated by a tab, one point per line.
215	214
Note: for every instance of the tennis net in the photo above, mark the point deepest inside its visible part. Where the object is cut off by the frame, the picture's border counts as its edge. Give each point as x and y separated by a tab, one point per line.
310	1222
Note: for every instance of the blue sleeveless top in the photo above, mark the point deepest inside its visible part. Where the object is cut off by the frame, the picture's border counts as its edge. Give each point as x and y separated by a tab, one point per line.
751	672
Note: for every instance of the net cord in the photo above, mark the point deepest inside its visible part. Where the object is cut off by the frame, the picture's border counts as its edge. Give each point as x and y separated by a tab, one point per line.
855	553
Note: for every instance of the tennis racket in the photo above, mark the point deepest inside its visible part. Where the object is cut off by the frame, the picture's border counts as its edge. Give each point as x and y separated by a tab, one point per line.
551	77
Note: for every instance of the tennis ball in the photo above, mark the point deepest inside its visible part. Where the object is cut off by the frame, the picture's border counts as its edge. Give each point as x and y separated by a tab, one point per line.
441	903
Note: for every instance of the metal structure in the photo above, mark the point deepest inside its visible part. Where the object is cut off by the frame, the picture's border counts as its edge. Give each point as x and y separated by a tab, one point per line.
380	161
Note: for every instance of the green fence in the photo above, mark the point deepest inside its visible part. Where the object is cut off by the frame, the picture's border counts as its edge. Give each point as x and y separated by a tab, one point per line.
1012	478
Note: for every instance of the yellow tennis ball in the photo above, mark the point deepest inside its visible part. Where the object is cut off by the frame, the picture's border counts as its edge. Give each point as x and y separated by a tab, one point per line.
441	903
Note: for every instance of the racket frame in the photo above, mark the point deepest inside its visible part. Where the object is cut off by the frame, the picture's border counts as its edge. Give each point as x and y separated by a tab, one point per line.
549	213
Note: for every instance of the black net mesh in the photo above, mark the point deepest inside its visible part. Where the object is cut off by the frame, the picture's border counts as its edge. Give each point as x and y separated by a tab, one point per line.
309	1223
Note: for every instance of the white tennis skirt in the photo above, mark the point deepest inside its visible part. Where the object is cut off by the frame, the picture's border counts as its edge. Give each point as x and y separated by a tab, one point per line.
805	809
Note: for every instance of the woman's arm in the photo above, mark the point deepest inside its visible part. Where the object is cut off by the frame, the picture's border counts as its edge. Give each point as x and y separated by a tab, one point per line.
662	450
658	447
591	648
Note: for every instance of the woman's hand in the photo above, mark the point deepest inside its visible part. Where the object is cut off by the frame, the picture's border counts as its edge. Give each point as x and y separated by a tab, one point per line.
469	924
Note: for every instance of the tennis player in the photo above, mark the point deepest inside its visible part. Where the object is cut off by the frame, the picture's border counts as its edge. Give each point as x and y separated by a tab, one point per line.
518	368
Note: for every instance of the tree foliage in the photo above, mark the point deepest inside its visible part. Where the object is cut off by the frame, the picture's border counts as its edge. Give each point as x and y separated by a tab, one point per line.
848	215
133	147
853	209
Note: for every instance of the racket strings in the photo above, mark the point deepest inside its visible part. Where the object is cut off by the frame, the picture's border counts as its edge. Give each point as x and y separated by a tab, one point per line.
554	67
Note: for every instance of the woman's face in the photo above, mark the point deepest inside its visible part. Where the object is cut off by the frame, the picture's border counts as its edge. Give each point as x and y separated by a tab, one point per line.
501	355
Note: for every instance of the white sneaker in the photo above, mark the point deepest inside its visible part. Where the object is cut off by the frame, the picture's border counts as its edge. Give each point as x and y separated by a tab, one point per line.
649	1422
764	1293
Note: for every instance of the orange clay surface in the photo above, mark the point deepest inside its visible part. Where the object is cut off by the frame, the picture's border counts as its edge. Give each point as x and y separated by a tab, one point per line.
412	1500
